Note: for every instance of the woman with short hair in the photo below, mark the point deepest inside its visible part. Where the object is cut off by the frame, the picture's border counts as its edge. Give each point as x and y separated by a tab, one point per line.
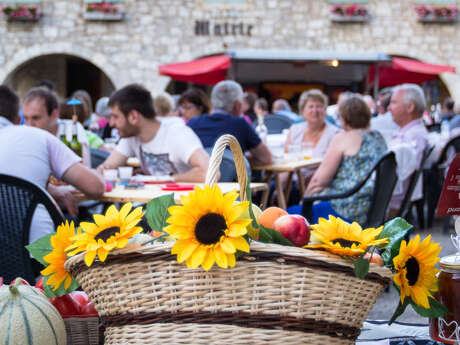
349	158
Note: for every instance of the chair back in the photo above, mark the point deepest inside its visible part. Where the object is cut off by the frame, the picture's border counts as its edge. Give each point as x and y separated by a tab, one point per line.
384	184
406	203
98	157
227	166
275	123
18	200
455	143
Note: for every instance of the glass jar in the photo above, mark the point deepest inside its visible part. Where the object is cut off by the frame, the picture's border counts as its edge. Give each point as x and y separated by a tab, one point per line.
446	329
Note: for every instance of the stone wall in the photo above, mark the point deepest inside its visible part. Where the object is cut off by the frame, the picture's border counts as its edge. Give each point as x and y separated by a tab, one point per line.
164	31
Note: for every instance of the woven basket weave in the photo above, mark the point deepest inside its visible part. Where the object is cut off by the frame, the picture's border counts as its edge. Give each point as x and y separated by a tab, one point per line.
82	331
275	294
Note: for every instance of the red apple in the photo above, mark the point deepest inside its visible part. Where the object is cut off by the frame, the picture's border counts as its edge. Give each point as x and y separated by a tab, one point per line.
293	227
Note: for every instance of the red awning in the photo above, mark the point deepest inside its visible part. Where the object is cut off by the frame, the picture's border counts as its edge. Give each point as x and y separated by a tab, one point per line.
404	70
204	71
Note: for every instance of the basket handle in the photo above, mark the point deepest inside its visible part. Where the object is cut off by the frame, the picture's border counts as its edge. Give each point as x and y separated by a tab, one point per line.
216	159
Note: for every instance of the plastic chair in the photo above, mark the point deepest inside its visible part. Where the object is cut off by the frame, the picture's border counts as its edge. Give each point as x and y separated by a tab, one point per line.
275	123
385	180
98	157
407	203
227	167
18	200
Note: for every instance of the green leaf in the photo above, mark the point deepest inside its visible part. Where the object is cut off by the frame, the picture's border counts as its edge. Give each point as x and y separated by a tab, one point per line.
248	192
40	248
399	310
437	309
394	230
275	237
157	211
264	235
49	292
361	267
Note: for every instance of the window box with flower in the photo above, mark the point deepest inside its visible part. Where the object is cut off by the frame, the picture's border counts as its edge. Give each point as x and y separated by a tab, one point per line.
349	13
436	14
22	12
103	10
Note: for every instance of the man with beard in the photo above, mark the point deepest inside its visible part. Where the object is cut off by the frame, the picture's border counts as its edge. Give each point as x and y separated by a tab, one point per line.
162	148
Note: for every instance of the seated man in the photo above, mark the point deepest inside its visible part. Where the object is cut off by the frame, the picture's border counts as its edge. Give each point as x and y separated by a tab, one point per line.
163	148
383	122
282	107
407	106
226	99
34	154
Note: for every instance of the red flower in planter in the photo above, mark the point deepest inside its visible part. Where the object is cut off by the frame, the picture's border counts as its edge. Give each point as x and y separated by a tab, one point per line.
352	10
104	7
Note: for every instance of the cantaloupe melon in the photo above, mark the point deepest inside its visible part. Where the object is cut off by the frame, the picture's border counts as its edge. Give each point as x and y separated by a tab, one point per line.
27	317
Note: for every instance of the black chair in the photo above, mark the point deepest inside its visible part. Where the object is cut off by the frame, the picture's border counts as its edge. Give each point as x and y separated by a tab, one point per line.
98	157
435	178
275	123
18	200
407	204
385	180
227	166
436	127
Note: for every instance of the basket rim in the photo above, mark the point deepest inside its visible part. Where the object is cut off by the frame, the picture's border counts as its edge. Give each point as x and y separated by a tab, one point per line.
257	249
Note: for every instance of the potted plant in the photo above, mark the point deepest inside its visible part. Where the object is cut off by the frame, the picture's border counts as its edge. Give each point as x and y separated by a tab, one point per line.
349	13
103	11
24	13
436	14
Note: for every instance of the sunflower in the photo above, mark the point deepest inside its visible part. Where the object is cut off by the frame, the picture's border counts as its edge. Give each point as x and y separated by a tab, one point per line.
339	237
106	233
415	272
56	258
207	228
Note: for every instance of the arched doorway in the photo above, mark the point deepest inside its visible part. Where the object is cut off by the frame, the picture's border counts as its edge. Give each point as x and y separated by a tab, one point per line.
68	72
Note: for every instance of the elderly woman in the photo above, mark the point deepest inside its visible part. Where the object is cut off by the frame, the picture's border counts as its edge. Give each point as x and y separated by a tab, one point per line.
194	102
315	131
348	159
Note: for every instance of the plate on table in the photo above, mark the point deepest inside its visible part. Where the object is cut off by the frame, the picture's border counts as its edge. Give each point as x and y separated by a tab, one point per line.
152	179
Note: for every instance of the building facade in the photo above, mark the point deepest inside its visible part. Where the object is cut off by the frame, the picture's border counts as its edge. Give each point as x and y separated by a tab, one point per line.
65	43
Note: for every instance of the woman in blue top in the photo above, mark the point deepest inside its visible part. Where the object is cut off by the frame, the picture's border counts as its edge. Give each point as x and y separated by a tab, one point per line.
349	157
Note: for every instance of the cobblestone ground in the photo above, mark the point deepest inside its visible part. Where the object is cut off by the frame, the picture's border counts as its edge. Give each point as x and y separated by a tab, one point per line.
387	301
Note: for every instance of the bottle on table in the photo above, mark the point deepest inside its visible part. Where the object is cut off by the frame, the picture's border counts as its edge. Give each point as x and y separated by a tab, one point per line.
75	145
261	129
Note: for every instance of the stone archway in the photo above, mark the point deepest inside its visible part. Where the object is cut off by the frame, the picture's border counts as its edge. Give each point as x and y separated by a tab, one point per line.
69	73
28	55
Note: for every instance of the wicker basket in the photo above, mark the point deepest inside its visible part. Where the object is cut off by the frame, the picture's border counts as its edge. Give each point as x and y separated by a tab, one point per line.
275	294
82	331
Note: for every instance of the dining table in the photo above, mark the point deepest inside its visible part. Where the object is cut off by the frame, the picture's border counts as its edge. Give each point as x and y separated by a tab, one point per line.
146	192
291	167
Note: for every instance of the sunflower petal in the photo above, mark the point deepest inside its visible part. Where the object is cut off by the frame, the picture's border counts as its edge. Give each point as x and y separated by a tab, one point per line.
89	258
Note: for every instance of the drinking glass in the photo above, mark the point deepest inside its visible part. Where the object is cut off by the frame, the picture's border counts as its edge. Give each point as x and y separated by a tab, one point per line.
111	175
307	150
125	174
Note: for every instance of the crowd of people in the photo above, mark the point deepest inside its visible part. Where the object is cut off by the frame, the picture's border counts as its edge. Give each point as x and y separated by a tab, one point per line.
170	136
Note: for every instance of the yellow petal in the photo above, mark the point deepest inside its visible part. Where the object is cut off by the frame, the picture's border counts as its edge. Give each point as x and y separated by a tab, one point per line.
186	252
227	246
231	260
221	257
89	258
240	244
209	260
198	256
102	253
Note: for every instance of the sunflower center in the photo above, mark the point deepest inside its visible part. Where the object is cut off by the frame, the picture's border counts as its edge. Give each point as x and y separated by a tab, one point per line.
210	228
413	269
345	243
107	233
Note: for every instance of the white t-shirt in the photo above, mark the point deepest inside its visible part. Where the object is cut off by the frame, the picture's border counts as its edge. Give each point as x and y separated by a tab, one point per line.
167	153
33	154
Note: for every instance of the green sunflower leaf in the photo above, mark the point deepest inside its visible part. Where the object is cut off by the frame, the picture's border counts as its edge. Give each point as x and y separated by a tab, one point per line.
437	309
399	310
361	267
274	236
157	211
395	230
49	292
40	248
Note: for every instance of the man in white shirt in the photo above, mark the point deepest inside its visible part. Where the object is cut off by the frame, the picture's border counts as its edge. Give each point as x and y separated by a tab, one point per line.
34	154
163	148
407	107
